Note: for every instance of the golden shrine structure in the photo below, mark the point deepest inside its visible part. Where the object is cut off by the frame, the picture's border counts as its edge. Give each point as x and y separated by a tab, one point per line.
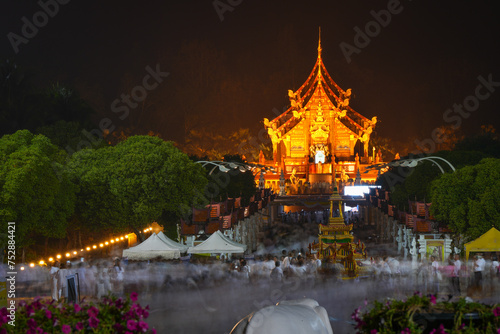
335	241
320	133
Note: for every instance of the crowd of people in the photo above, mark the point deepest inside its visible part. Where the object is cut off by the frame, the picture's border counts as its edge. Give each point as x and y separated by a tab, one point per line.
100	277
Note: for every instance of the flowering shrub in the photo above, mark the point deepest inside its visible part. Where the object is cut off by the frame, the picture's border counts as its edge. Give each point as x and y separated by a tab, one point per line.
110	315
424	314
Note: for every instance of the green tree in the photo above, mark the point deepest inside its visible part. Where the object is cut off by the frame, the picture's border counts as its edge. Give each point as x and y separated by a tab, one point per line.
35	191
468	200
414	183
136	182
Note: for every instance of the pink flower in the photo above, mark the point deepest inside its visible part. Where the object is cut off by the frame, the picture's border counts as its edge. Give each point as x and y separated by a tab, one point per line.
406	331
79	326
373	331
133	296
48	314
496	312
93	311
153	331
77	308
131	325
433	299
142	326
119	303
31	323
440	330
93	322
66	329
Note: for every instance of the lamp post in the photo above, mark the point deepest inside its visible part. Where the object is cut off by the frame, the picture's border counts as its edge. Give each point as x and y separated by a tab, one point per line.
225	166
414	162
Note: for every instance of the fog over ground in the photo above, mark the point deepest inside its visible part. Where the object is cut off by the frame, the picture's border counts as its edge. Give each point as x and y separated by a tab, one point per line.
216	305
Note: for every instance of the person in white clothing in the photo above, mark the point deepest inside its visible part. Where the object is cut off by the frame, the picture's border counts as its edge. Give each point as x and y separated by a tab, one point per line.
455	277
54	280
277	274
62	282
479	265
435	275
118	273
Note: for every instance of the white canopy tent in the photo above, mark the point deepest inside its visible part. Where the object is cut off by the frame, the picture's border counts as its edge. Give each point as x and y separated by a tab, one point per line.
151	248
170	242
217	243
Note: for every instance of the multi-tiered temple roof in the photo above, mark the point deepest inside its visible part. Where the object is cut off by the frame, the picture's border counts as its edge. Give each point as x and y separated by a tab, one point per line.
319	119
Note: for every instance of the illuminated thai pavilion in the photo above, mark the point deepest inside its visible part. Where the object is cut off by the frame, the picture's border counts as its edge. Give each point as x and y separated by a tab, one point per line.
319	129
335	241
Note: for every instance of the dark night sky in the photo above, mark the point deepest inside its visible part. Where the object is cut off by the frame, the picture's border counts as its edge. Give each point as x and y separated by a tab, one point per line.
426	59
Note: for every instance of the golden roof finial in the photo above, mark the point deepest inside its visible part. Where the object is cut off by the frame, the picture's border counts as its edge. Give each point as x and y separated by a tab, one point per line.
319	43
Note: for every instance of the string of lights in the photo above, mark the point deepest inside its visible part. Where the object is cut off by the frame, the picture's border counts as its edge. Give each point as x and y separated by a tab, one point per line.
83	251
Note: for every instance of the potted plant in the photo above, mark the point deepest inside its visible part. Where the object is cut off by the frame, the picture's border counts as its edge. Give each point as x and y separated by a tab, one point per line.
424	314
109	315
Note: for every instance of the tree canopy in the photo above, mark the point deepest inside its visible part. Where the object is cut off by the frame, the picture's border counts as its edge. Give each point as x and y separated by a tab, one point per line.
35	192
135	182
468	200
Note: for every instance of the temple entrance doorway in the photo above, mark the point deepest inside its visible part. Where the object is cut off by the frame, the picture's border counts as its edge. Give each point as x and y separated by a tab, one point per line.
320	157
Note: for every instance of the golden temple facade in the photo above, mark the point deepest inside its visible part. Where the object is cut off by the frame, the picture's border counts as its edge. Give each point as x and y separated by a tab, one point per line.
320	131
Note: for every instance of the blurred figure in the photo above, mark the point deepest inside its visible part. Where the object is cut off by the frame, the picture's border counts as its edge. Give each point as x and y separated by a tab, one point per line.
277	273
435	275
455	277
478	265
54	281
63	283
117	277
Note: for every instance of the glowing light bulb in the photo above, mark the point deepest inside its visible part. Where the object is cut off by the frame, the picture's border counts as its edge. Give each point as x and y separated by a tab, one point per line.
51	259
88	248
112	241
58	256
94	247
101	245
106	243
32	264
41	262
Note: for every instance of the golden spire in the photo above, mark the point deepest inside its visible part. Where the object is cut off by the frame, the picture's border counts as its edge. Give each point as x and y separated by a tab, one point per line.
319	43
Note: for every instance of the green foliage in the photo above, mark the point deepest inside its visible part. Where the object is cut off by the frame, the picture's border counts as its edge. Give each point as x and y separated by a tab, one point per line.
469	199
35	191
409	316
135	182
415	183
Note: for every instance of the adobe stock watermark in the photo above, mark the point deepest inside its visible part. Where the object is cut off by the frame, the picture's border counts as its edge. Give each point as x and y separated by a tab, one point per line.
122	106
362	38
222	6
455	115
150	81
452	116
30	28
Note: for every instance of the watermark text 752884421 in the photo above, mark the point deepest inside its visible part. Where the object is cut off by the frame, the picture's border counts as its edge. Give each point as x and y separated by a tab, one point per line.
11	274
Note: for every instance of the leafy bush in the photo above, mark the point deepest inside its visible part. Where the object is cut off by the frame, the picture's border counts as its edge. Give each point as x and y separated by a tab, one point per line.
423	314
110	315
